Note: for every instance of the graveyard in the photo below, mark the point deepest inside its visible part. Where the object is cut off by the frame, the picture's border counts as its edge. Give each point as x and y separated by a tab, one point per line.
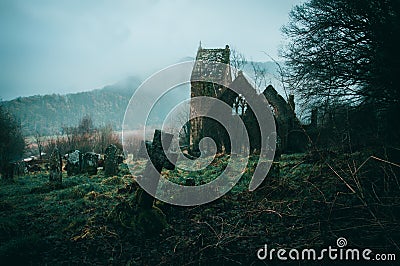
200	133
92	218
91	198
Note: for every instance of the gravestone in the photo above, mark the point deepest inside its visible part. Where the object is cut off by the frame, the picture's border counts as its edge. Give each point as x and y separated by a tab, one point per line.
74	162
110	161
150	218
55	167
90	163
158	161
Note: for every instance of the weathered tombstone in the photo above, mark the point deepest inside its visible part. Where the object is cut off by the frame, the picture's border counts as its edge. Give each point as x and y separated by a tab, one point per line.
55	167
74	162
110	161
150	218
158	161
90	163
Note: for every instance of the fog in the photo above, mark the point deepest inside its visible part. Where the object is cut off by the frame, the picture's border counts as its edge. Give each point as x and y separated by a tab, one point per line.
69	46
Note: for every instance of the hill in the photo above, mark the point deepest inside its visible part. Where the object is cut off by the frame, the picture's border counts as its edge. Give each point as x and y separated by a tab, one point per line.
47	114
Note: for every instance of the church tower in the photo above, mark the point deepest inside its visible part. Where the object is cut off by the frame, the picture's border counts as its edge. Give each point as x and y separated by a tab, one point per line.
206	68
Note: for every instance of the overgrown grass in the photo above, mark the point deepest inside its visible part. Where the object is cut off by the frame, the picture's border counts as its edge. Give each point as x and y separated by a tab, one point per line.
308	203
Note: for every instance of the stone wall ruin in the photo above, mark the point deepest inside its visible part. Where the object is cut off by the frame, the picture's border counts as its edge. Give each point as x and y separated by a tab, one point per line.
200	127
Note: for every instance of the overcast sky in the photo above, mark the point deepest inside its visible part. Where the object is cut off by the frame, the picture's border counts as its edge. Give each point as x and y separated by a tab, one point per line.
49	46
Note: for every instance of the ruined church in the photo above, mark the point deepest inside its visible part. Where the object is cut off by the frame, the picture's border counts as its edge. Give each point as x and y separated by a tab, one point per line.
285	119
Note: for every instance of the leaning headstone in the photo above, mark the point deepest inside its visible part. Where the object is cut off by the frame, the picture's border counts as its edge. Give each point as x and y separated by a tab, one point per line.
74	161
140	213
55	167
158	161
150	218
110	161
90	163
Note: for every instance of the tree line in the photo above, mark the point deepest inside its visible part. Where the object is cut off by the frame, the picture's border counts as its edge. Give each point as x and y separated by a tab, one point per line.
84	137
342	58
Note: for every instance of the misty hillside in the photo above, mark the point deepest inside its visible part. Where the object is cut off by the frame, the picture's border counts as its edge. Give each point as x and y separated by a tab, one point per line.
49	113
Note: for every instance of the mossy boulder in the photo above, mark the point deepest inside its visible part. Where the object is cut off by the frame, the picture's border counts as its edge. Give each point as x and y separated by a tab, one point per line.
147	221
151	221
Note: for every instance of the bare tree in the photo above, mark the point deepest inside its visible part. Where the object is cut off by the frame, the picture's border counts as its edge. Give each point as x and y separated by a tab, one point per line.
344	51
81	137
39	139
105	137
69	138
238	61
260	75
85	125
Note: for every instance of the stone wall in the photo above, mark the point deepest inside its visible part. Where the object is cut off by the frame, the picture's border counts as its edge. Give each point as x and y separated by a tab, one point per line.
283	111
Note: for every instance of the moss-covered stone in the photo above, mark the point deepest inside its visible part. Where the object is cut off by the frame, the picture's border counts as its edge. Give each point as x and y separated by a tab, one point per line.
151	221
148	221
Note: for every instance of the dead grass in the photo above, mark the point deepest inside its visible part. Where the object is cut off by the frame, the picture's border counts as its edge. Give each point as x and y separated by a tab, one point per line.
310	204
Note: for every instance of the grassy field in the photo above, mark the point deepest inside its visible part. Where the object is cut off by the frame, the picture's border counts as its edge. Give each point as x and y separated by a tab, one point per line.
310	203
